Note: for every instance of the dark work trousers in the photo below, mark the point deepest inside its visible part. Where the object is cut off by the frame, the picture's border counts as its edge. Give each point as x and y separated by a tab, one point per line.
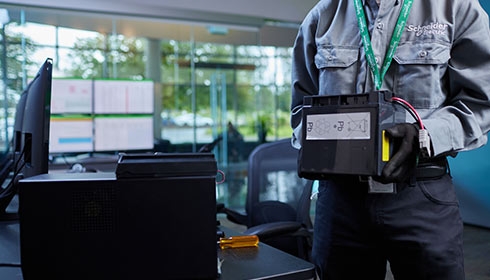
418	230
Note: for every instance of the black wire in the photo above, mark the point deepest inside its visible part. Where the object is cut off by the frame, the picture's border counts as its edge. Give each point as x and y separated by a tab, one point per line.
414	116
66	161
7	191
16	172
21	155
10	265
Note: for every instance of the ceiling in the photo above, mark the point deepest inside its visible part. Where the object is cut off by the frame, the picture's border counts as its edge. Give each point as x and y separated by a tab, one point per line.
256	22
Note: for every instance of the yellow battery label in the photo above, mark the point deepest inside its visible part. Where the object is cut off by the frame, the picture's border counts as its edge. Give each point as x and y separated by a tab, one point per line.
385	147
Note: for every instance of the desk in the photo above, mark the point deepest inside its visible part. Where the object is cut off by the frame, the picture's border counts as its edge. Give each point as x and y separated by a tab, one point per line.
10	250
263	262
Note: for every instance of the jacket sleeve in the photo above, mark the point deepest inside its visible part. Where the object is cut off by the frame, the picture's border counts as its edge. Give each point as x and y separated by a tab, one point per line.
464	121
304	80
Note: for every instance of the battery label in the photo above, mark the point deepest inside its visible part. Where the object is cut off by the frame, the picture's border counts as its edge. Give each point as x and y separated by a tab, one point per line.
338	126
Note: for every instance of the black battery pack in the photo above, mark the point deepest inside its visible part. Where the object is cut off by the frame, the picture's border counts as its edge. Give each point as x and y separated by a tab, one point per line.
345	134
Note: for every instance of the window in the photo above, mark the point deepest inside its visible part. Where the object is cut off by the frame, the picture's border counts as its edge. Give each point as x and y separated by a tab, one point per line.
207	84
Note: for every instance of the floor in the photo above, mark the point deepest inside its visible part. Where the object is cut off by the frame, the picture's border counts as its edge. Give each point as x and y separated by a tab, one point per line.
476	249
477	253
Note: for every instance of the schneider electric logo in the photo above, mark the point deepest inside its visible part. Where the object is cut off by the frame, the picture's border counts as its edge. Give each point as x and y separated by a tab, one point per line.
434	28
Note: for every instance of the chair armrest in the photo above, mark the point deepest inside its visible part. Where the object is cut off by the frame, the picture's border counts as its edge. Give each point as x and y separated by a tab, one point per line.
268	230
235	216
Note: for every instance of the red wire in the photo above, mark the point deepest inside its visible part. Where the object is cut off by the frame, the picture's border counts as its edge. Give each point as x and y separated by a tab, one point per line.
222	177
398	99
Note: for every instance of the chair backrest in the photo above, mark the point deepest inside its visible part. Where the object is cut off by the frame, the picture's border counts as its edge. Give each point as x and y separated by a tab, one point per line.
273	176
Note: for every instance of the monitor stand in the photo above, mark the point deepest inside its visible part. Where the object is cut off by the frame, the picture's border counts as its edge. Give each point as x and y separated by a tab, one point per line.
5	201
9	205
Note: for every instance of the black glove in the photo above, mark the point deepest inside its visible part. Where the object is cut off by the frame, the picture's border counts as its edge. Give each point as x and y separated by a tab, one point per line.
401	165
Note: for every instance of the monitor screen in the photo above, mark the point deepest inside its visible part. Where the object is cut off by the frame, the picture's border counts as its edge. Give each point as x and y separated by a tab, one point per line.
101	116
35	124
123	97
123	132
71	134
71	96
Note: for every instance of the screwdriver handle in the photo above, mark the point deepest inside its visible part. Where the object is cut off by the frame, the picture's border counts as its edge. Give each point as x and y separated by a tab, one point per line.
239	241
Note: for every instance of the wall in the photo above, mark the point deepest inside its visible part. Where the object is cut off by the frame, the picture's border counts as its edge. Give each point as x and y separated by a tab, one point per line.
249	12
469	171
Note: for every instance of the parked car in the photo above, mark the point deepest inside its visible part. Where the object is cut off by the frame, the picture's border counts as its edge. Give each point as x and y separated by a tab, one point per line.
187	119
168	121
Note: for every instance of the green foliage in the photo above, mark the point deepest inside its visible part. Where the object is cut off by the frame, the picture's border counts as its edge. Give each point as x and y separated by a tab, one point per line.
98	58
249	96
19	52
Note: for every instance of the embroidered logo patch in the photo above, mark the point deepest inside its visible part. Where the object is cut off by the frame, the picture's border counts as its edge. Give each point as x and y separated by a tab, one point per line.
434	28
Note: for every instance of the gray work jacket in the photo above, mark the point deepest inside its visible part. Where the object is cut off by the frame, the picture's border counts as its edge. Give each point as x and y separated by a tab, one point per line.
441	66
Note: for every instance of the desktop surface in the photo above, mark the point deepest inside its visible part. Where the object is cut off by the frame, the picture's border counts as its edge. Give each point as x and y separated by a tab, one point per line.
262	262
10	251
62	213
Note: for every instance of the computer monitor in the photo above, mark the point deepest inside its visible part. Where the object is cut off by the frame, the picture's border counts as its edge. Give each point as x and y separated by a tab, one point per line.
35	125
29	155
107	116
11	166
17	137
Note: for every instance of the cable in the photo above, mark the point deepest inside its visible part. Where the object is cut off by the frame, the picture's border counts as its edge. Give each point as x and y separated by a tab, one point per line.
14	176
16	164
10	265
8	188
423	137
410	108
7	193
223	177
414	116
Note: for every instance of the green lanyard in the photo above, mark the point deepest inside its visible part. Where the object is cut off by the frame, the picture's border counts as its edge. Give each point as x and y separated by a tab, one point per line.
395	39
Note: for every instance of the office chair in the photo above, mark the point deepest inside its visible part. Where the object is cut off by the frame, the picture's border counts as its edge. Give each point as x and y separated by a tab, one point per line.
278	201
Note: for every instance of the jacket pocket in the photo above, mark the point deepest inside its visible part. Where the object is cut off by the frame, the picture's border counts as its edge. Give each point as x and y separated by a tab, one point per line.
337	63
421	68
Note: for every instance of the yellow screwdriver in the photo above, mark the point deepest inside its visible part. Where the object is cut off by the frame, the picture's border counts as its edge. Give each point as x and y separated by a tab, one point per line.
238	241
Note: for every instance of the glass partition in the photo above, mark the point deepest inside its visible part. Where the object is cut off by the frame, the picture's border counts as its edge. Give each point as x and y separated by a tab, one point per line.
223	87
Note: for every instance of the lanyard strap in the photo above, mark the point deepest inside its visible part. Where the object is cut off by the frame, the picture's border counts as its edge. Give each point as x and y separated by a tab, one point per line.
395	39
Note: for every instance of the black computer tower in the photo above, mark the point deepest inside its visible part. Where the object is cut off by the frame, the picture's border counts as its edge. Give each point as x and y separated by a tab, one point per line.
99	226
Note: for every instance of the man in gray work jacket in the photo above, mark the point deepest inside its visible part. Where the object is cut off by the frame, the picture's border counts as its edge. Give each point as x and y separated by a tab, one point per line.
440	64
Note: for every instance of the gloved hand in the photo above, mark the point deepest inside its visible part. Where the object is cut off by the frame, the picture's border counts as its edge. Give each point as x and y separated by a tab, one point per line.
402	163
